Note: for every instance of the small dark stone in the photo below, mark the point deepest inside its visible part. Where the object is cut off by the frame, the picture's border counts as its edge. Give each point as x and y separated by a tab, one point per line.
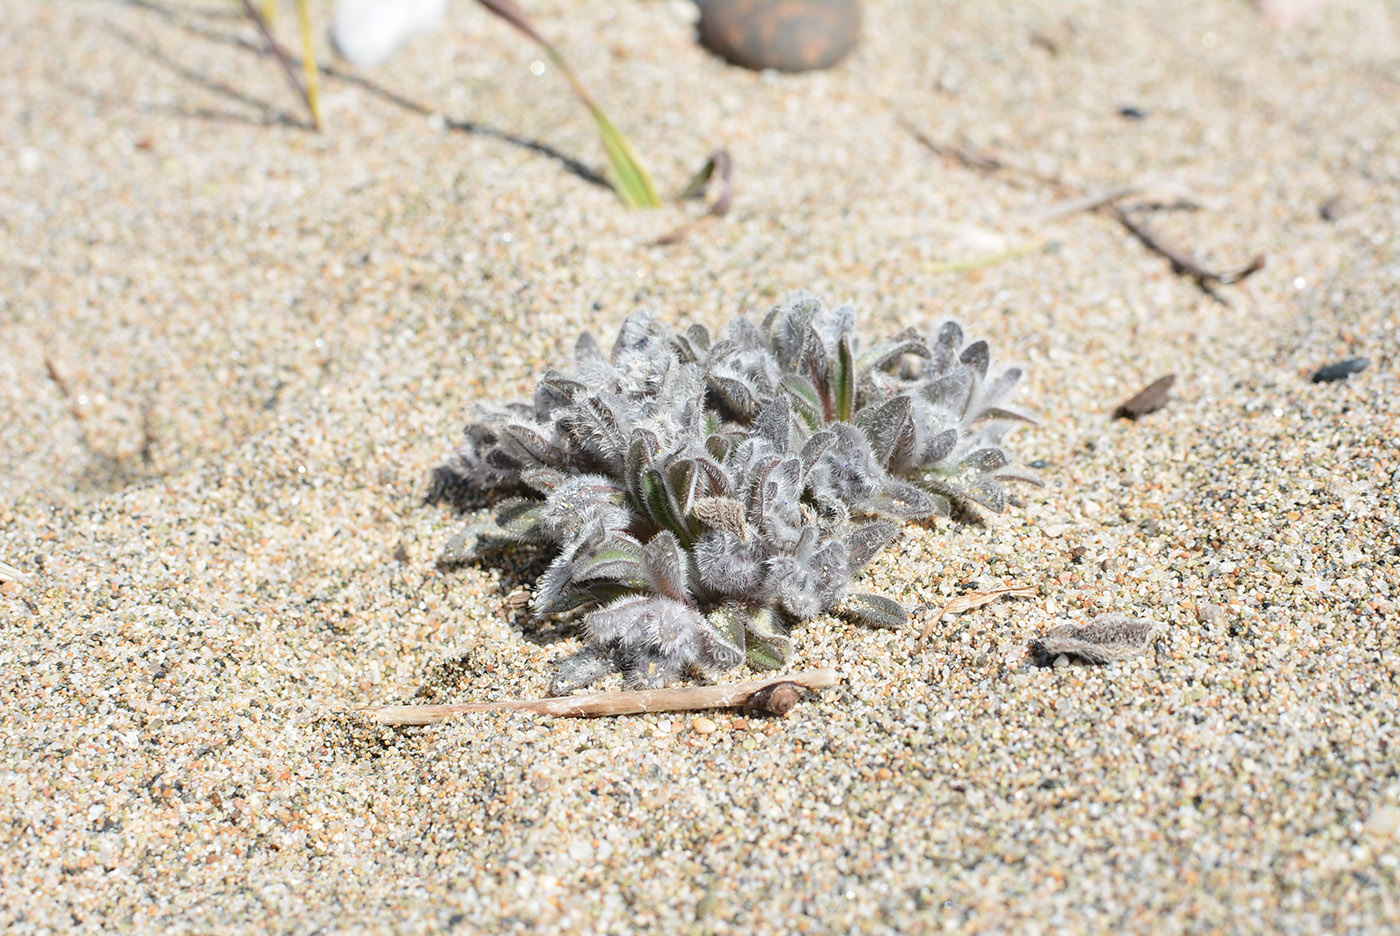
1341	370
1040	464
1335	207
1147	400
1132	113
789	35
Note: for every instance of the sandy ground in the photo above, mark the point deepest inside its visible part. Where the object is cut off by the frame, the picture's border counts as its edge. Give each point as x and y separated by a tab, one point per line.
234	349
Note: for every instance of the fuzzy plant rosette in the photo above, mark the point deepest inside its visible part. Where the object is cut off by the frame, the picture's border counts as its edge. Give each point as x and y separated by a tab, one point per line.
702	495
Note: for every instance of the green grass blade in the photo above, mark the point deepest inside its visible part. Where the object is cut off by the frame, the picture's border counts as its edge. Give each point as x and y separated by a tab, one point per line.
629	178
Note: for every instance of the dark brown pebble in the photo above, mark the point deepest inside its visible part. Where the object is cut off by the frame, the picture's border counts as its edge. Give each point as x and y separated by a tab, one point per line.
1335	207
789	35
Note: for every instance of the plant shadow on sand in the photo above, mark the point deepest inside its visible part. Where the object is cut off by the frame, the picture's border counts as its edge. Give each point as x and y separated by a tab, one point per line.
274	116
519	566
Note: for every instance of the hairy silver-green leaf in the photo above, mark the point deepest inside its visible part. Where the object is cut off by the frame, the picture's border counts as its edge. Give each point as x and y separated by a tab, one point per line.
875	610
728	633
767	643
618	557
518	520
886	353
738	395
866	540
805	399
889	428
666	566
594	425
977	356
581	670
984	460
844	380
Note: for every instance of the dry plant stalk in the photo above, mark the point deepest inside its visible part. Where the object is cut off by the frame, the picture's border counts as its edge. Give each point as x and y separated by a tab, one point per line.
720	166
1183	263
974	600
777	695
306	85
1104	202
311	73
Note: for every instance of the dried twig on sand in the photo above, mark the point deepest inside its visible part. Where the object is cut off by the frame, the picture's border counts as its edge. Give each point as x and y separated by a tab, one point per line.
719	166
973	600
776	695
1105	639
1181	196
1183	263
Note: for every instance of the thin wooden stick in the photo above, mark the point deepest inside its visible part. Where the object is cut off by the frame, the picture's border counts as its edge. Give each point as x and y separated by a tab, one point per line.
1182	262
1093	201
777	695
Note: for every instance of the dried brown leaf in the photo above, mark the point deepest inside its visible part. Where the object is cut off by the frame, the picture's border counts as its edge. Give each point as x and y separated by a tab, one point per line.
1149	399
974	600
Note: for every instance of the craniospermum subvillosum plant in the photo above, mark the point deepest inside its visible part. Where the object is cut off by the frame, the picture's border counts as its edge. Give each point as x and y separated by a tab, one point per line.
702	494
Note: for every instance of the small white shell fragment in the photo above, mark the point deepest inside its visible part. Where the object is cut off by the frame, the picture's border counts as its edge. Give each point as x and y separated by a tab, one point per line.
368	32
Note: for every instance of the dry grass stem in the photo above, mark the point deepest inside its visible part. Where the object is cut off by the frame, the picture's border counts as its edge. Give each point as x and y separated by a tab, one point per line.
310	73
988	260
284	60
718	165
974	600
777	695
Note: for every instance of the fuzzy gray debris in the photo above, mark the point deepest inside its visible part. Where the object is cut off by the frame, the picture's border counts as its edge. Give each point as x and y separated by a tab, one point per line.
1108	638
